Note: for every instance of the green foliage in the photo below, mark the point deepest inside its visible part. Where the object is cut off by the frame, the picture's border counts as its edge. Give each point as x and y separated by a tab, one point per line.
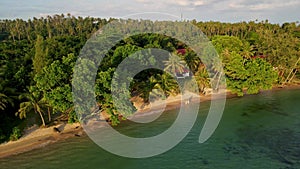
72	117
192	60
145	87
82	83
167	84
16	134
201	77
36	54
26	48
39	59
54	82
33	102
235	72
260	75
3	101
173	64
243	73
230	43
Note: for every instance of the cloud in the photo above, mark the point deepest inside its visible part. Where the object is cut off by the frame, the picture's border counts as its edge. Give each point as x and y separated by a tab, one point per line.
276	11
261	5
182	3
144	1
221	10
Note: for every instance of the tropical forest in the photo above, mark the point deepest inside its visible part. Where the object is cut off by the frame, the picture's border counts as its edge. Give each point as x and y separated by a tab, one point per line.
38	57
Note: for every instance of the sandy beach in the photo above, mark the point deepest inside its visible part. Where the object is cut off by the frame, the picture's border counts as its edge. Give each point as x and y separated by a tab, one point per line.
36	137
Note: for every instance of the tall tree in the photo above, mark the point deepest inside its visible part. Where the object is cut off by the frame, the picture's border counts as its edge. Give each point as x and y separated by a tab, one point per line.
54	83
39	59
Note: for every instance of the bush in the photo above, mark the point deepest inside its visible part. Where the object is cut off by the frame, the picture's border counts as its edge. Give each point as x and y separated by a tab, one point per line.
15	135
72	117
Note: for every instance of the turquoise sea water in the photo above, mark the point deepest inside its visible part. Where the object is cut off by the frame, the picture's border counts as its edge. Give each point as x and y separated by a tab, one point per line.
257	131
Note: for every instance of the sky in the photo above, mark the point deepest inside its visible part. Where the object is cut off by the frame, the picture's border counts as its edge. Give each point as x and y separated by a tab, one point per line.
276	11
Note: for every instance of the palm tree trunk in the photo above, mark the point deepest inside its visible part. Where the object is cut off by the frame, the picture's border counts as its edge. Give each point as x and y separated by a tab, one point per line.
49	115
42	118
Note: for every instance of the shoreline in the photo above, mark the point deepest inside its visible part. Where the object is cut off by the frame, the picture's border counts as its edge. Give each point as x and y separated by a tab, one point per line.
36	137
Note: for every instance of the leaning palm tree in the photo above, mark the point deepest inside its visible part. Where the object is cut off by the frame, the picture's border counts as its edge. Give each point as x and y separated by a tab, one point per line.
32	103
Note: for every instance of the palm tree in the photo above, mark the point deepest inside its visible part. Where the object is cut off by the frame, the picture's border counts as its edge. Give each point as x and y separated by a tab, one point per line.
33	103
201	77
247	51
7	96
3	101
193	61
174	64
166	83
144	88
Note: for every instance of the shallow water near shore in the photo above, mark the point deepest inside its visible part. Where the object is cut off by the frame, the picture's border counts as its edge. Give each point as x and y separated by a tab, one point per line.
256	131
